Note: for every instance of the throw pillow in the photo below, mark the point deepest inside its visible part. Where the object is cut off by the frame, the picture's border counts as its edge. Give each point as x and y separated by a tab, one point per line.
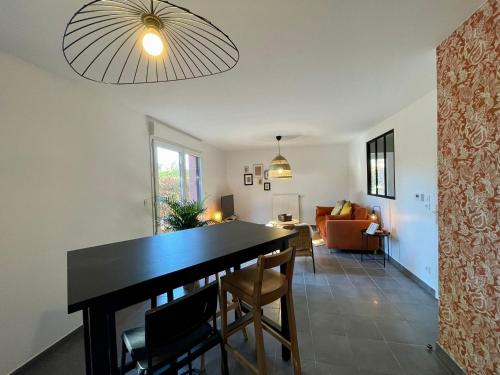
338	207
346	209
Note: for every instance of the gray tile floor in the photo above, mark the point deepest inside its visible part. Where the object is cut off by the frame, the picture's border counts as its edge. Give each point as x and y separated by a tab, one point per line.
352	318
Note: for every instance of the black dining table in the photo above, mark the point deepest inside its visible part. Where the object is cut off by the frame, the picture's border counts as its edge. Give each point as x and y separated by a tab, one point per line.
107	278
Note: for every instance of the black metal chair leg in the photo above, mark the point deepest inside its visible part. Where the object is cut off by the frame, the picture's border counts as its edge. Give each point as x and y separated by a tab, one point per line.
124	356
312	255
383	241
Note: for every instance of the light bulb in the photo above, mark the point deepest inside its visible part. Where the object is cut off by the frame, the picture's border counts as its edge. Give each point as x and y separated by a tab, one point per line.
218	216
152	42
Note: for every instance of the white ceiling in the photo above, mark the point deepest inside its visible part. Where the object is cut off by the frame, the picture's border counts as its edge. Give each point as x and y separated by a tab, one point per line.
322	69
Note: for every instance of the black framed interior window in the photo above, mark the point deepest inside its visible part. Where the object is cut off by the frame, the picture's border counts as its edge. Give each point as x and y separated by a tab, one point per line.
380	166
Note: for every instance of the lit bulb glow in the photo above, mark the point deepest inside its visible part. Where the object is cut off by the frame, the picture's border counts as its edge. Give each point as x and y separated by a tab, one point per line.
218	216
152	42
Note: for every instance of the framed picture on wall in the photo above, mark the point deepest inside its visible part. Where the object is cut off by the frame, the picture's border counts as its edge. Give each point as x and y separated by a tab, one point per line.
248	179
258	170
246	169
266	174
267	186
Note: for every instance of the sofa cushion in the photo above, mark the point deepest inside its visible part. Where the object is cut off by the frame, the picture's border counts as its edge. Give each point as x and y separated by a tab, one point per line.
338	217
346	209
360	213
338	207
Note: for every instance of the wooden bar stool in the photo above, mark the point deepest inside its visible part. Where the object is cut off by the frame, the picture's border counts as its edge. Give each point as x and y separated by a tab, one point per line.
234	305
257	286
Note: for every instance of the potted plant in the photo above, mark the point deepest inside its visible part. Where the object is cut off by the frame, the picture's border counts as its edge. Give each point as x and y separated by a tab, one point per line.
183	214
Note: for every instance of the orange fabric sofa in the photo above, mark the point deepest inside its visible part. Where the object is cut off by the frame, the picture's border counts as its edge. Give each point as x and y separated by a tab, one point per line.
343	232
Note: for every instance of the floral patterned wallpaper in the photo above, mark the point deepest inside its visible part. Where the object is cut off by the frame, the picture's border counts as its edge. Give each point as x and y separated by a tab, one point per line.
469	192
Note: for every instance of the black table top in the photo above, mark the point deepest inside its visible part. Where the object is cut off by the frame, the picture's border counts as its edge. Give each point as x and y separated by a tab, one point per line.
97	271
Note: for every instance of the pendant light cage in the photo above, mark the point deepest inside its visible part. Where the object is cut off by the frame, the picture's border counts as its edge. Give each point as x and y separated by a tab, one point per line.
103	42
280	168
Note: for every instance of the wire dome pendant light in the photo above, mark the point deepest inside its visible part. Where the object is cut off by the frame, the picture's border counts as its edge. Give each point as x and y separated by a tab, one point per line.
280	168
144	41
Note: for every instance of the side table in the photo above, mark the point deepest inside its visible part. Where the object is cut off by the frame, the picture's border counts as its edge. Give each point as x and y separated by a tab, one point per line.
281	224
383	238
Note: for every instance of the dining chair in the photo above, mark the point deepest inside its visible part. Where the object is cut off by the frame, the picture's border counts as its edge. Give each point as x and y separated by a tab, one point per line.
303	242
175	334
257	286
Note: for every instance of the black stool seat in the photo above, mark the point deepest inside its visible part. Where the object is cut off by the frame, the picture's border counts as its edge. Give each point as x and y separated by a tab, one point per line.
135	341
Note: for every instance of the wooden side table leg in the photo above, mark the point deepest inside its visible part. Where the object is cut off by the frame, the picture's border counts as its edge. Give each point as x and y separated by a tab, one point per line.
383	254
363	246
389	249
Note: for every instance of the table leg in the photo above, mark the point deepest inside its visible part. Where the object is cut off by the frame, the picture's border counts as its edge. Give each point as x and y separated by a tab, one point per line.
170	295
86	339
383	248
98	343
364	241
388	249
113	353
236	314
285	329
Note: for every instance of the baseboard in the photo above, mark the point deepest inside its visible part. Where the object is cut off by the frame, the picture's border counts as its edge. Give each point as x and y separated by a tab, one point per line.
48	350
448	361
426	288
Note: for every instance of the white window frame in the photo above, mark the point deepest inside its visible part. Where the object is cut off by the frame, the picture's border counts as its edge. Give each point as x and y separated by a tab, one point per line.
183	151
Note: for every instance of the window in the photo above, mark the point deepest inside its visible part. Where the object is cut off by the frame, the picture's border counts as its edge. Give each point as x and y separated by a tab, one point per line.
380	166
177	173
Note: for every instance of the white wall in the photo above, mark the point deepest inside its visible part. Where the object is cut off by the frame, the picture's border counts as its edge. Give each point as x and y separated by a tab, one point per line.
74	172
320	176
413	225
